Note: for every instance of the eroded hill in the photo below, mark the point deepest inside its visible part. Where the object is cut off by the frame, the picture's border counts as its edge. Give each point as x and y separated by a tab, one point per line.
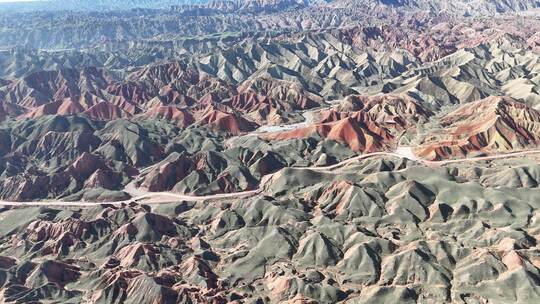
270	152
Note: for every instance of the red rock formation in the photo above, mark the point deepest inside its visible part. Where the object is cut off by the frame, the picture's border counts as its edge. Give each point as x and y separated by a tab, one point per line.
106	111
494	123
176	115
196	266
208	99
358	132
130	255
103	178
43	230
65	107
358	136
225	122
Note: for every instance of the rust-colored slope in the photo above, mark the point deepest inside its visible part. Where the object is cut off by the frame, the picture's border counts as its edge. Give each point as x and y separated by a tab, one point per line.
491	124
226	122
359	134
64	107
106	111
179	116
357	131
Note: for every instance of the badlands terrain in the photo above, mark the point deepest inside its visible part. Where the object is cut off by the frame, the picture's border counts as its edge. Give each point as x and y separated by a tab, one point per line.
270	151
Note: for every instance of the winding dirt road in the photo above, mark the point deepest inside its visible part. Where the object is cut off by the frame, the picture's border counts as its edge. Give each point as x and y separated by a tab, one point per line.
167	197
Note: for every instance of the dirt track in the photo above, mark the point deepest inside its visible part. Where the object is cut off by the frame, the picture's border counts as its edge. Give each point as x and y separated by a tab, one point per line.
167	197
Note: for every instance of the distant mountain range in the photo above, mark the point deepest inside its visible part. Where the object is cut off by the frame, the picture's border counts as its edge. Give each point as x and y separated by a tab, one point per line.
270	151
89	5
461	7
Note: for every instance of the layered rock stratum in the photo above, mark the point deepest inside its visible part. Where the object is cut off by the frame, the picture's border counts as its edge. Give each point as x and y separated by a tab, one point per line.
270	151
